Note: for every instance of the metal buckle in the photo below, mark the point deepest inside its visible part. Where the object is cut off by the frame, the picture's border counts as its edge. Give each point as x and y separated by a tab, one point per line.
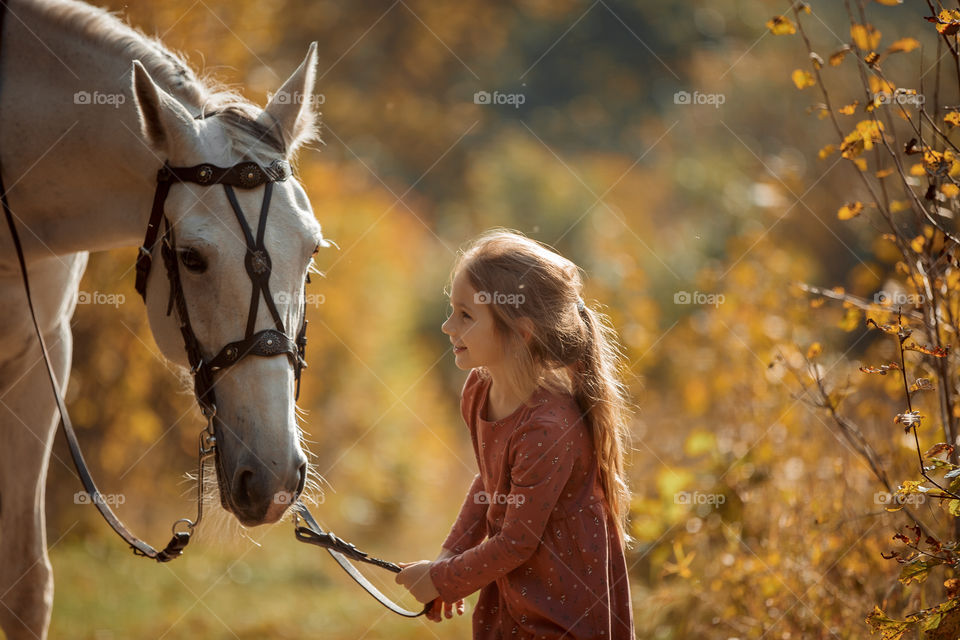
190	524
278	171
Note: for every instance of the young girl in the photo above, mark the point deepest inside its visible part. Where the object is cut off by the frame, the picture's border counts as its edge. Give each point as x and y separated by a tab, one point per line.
541	532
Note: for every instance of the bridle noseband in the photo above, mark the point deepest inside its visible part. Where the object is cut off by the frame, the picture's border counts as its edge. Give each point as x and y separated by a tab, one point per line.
266	343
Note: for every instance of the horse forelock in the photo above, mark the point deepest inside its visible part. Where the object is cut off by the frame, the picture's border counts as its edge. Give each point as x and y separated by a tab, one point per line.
250	139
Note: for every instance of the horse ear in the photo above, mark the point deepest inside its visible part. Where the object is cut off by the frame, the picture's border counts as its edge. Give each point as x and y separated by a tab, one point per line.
163	120
291	109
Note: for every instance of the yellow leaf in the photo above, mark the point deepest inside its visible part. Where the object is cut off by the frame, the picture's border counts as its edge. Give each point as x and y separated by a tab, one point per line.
851	320
815	349
883	173
848	109
936	162
949	23
837	57
899	205
827	151
903	44
865	36
917	170
950	190
861	163
879	85
802	79
917	243
781	26
862	138
952	118
889	3
850	210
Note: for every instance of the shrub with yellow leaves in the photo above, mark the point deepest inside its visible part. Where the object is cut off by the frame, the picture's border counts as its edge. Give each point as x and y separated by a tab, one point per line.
911	193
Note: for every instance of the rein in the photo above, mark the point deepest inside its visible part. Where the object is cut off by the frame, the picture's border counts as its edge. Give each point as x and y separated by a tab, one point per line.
266	343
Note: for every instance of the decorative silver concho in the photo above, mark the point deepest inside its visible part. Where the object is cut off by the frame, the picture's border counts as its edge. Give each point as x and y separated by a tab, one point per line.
258	262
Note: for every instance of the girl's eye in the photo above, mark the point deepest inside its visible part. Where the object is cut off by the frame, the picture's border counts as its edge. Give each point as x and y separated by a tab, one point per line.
466	315
193	261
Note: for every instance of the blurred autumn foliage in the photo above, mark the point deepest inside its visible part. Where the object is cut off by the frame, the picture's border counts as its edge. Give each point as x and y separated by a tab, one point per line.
741	225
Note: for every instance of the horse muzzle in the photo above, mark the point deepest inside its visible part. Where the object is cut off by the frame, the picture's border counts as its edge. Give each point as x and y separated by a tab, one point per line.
259	492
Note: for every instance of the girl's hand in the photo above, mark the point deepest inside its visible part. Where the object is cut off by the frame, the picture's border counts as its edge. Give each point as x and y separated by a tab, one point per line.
416	577
447	608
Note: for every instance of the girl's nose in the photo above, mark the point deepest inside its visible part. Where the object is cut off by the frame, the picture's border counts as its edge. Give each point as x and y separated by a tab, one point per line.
445	327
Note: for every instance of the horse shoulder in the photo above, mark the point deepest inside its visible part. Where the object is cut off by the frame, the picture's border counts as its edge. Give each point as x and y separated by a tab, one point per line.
53	287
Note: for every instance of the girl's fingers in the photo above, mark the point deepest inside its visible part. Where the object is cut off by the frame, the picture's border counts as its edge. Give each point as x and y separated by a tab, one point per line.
448	610
434	613
459	607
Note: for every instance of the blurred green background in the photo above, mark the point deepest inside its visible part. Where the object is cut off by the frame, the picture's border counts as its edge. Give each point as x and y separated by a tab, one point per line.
603	159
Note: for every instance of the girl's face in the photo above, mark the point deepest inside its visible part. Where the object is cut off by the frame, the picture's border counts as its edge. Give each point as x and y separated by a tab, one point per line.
471	327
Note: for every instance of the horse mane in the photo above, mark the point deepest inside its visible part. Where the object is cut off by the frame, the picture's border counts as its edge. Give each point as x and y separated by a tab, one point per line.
169	69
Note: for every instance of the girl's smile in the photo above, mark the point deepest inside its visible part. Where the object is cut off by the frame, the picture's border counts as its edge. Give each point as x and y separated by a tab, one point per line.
471	327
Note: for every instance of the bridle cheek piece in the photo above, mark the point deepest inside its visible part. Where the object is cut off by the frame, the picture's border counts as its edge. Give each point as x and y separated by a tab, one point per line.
267	343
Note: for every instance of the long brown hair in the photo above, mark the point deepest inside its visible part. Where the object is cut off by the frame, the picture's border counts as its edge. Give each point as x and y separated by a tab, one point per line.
572	347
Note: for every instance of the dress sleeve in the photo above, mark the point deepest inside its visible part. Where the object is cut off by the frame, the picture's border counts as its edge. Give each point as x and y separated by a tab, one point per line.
542	455
470	528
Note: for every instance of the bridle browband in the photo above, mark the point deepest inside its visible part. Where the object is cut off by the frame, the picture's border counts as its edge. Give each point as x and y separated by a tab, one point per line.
266	343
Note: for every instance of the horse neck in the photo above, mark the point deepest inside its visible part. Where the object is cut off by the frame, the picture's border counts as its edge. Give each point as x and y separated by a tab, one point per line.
80	176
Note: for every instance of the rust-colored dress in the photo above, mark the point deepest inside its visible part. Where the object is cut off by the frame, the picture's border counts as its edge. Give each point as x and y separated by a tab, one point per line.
534	534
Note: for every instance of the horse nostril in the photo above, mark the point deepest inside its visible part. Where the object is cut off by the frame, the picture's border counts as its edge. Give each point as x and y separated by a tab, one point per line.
244	490
302	479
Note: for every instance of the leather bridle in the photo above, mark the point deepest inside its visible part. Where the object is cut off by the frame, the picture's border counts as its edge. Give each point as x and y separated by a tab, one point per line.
266	343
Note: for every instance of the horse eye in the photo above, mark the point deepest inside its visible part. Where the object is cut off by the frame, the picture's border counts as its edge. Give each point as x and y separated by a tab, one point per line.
193	261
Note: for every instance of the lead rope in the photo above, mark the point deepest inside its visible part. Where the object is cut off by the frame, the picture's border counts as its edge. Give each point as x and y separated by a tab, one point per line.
342	551
180	539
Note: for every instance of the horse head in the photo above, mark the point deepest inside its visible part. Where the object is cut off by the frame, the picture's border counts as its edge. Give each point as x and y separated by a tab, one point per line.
236	254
